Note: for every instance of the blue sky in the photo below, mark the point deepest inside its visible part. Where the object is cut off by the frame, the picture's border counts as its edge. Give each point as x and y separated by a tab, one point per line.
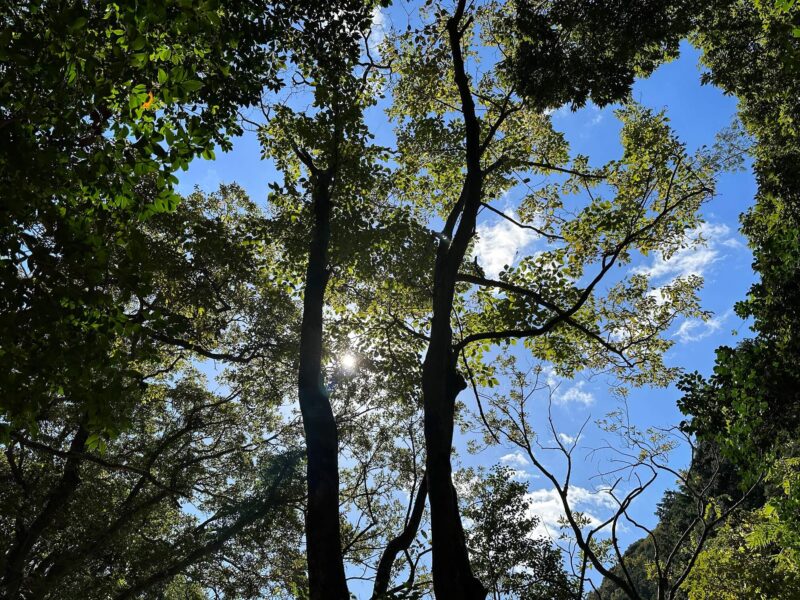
697	113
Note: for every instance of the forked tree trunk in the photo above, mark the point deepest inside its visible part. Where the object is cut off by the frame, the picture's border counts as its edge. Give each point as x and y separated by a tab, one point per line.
326	577
441	383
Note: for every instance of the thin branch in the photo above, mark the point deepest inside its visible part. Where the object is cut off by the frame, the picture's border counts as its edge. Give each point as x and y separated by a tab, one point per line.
541	232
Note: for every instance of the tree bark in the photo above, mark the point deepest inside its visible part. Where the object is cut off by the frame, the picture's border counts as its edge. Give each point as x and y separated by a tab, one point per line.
326	576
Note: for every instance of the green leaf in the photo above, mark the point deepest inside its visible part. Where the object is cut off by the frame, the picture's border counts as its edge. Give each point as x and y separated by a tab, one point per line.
78	24
192	85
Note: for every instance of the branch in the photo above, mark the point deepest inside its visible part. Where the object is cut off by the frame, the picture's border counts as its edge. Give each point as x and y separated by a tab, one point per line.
78	455
196	348
505	112
542	166
541	232
57	500
247	517
401	543
561	315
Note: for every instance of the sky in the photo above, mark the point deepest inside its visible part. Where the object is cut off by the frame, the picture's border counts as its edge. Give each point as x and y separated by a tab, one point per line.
697	113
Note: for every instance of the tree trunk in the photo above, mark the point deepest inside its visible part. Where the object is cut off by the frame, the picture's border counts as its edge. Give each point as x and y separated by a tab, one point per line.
441	383
326	575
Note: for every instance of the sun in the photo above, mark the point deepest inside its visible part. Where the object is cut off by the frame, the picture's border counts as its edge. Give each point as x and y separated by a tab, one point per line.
348	361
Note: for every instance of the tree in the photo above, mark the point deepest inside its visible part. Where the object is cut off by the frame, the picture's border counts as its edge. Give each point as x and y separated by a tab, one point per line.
331	176
747	407
676	513
93	515
460	162
149	86
656	566
507	554
749	403
101	105
730	568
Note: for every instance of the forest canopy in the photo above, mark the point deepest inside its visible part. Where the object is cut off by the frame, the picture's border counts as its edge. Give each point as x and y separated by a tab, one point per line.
374	375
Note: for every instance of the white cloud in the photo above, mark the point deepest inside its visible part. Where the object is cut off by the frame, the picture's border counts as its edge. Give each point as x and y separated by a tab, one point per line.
693	330
598	115
733	243
550	377
658	294
498	244
590	115
697	258
562	111
519	474
577	394
546	505
574	395
566	439
516	459
378	29
689	261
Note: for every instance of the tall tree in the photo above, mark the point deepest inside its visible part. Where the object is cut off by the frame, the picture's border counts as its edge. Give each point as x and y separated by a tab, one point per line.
89	514
100	105
329	175
465	134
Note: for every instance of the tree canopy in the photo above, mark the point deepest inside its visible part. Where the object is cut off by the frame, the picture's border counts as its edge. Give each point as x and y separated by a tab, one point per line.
211	395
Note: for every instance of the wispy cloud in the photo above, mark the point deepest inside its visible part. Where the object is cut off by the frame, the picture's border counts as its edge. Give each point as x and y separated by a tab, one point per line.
566	439
378	29
546	505
693	330
590	115
704	242
516	459
563	393
499	243
577	394
597	117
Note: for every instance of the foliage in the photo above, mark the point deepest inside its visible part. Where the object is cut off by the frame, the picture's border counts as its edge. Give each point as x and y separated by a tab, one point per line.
124	474
102	515
776	523
508	553
101	105
588	218
749	404
721	482
730	568
154	497
570	51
